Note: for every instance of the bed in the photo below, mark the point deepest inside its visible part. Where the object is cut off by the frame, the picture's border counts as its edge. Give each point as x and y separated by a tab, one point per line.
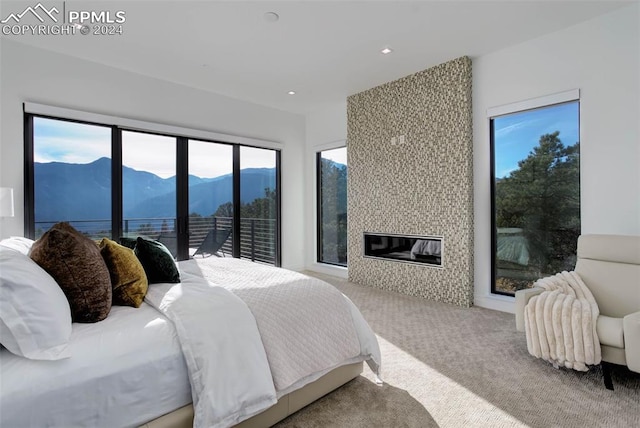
230	337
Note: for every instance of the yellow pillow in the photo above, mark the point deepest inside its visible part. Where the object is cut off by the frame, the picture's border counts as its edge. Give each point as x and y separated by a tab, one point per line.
128	280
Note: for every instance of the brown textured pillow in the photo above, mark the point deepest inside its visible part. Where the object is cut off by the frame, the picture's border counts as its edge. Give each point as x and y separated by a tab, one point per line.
74	261
128	280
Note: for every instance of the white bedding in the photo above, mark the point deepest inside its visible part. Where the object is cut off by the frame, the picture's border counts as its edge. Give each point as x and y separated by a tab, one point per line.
228	368
248	330
426	247
116	366
306	325
137	365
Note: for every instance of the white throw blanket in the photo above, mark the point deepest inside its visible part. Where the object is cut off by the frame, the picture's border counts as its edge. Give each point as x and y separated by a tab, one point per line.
252	333
307	326
228	368
560	323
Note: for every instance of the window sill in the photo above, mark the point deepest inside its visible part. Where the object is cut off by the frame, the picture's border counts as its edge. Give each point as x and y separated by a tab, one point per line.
327	269
497	302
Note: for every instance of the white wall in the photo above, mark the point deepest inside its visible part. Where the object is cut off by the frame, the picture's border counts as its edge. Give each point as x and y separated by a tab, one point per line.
326	128
35	75
601	58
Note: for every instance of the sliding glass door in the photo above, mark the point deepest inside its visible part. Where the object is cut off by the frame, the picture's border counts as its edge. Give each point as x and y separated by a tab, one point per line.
210	199
258	204
149	187
199	198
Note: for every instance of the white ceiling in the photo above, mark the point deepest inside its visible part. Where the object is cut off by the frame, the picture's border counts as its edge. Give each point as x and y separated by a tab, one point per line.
323	50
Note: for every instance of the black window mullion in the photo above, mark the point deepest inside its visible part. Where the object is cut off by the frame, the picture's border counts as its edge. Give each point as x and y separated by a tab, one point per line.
278	237
494	231
116	183
236	201
29	178
182	189
319	207
182	197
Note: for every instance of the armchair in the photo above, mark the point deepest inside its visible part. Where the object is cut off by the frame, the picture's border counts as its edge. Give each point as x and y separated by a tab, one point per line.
609	265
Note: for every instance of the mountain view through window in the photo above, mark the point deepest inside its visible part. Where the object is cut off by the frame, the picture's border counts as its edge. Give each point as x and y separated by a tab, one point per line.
72	182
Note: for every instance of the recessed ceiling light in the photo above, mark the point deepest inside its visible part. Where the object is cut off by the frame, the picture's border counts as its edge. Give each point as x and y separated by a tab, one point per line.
271	17
386	51
291	92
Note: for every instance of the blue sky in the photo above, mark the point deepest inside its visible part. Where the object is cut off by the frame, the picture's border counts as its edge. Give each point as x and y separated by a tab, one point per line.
515	136
70	142
518	133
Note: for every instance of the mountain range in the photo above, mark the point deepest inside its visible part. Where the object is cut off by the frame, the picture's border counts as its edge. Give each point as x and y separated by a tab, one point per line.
66	191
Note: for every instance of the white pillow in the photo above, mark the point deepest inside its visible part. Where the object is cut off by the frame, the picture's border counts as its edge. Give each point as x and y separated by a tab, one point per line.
35	319
18	243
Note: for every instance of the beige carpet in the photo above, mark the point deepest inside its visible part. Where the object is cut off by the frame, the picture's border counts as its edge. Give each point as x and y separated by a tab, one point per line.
446	366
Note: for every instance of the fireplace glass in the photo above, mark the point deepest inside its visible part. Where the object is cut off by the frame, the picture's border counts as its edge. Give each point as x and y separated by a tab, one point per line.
404	248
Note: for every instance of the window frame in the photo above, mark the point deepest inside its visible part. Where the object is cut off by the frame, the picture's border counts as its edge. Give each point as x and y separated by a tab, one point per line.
493	113
30	112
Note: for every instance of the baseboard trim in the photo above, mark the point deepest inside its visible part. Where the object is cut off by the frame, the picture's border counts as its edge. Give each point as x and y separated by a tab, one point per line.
497	303
338	271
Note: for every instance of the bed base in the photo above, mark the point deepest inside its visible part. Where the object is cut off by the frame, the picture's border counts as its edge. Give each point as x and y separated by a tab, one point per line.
286	405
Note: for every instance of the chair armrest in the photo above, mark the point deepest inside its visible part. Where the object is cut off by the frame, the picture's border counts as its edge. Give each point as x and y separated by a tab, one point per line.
631	329
522	298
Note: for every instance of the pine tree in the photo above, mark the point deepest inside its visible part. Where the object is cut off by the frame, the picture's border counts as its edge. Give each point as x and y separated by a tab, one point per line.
543	198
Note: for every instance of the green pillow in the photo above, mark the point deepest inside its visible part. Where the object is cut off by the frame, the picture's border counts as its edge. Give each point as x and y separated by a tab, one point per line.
128	279
157	261
128	242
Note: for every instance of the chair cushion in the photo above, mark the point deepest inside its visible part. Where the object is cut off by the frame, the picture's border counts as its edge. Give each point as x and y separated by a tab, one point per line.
610	248
610	331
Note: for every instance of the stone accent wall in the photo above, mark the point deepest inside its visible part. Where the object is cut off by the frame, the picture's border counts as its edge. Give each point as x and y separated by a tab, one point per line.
423	186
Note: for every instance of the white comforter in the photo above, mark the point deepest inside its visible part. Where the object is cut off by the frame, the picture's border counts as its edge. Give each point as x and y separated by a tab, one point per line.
253	333
228	368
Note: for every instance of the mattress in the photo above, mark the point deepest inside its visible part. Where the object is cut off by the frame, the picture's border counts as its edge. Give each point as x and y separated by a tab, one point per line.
117	365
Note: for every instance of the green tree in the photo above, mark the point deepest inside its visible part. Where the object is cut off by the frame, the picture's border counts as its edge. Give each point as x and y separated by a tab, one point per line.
263	208
334	211
224	210
543	198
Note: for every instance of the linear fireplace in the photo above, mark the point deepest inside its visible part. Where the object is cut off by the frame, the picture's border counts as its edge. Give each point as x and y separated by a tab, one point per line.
425	250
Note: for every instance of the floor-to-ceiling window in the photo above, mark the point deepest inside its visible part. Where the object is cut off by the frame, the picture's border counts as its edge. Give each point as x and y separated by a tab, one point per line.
258	204
535	194
210	198
71	176
332	206
149	187
197	197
